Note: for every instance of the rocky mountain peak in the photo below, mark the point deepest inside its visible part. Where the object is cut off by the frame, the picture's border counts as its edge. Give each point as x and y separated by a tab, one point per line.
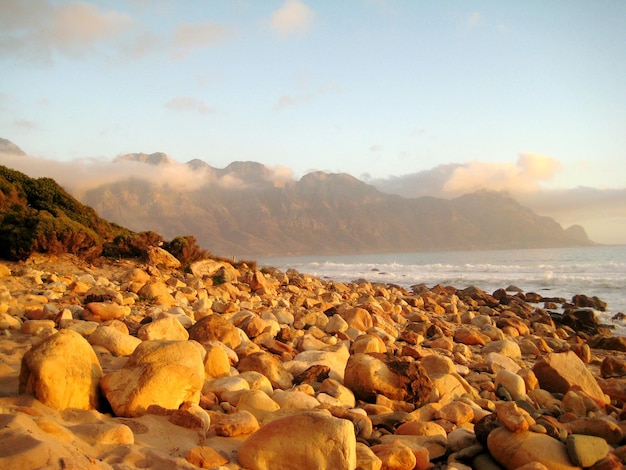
6	146
156	159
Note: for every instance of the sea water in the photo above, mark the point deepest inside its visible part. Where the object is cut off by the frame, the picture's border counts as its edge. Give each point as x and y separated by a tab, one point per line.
562	272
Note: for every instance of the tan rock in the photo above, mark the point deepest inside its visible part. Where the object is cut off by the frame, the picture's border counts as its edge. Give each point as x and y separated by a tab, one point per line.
506	347
215	328
234	424
62	371
395	456
456	412
558	372
306	440
358	318
258	403
157	292
211	268
368	376
118	343
269	366
514	449
513	417
104	433
216	361
161	258
512	382
366	459
165	328
103	311
206	457
164	373
421	428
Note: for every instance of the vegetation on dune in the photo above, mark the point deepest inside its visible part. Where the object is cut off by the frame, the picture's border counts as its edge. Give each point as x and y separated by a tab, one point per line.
39	216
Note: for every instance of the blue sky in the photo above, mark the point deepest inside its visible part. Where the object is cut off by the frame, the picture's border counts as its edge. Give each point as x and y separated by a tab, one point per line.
526	94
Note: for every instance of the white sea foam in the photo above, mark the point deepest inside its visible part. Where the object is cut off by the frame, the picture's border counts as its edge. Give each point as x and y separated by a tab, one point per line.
596	271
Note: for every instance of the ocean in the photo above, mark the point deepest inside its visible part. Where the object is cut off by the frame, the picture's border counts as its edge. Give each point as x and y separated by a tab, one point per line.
561	272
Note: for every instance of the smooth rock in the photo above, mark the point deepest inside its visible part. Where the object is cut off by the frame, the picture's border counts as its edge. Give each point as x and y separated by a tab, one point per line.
395	456
558	372
62	371
205	457
118	343
586	450
164	328
514	449
164	373
305	440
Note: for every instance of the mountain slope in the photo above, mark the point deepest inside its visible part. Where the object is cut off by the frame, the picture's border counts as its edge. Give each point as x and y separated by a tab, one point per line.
321	214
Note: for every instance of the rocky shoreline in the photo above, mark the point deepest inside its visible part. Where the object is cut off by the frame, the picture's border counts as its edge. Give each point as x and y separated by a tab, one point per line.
123	365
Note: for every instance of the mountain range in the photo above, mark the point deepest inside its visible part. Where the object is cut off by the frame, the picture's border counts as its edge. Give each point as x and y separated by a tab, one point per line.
243	210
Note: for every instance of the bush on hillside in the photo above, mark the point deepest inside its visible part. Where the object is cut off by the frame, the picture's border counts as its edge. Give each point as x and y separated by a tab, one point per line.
132	245
186	250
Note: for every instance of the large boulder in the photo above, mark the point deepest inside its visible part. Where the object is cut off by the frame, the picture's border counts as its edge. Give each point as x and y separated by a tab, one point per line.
62	372
215	328
164	373
268	365
559	372
368	375
515	449
311	439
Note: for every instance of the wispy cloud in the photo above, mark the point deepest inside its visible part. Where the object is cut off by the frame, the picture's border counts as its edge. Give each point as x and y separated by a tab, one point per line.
293	17
38	29
188	103
190	36
296	99
25	124
41	30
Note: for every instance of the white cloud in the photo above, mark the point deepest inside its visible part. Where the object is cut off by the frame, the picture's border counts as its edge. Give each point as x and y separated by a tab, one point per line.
197	36
601	211
521	176
38	29
187	103
294	17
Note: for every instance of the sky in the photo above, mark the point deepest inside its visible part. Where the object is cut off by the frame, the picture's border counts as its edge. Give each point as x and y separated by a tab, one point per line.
417	97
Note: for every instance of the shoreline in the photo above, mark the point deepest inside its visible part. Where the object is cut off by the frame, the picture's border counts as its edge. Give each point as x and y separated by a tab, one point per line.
454	366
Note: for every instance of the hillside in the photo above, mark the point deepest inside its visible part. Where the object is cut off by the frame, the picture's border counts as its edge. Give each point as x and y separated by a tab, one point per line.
320	214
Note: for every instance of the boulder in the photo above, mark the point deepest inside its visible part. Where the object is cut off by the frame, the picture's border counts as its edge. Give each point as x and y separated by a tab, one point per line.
311	439
161	258
514	449
164	373
115	341
215	328
558	372
166	328
586	450
62	372
268	365
404	379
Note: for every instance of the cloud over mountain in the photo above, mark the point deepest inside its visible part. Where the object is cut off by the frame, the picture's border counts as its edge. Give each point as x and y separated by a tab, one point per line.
601	211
